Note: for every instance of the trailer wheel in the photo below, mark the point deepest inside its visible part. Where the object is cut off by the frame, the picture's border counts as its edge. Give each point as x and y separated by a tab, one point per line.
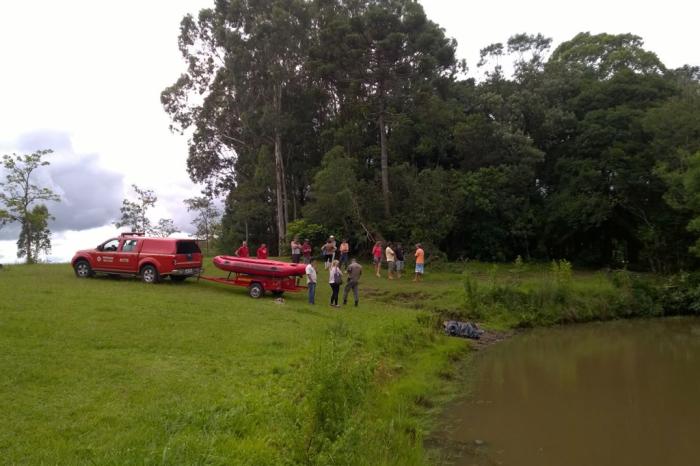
255	290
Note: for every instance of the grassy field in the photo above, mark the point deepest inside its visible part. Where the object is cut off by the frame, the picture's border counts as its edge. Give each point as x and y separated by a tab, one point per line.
113	371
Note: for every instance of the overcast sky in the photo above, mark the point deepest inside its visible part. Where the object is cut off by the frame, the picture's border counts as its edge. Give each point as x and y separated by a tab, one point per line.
84	77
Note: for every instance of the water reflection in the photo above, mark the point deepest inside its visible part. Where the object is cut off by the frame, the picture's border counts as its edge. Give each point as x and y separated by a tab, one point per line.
619	393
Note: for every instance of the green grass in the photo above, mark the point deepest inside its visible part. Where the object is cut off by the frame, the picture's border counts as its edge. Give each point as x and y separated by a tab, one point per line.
113	371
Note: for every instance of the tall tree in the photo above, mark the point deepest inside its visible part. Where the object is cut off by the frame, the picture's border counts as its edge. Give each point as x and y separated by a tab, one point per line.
384	54
19	194
243	58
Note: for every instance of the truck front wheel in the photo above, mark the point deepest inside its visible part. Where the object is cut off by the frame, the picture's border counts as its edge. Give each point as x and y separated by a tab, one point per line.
82	269
149	274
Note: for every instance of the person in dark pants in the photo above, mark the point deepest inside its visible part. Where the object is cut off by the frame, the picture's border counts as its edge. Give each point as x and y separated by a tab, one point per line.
335	278
311	281
354	273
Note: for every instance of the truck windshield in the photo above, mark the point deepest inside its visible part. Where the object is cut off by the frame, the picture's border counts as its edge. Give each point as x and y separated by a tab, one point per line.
187	247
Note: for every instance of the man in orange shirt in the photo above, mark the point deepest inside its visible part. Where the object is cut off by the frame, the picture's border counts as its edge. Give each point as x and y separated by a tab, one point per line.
420	263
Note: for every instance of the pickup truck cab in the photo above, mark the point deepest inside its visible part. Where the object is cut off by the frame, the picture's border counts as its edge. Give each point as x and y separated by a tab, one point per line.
134	254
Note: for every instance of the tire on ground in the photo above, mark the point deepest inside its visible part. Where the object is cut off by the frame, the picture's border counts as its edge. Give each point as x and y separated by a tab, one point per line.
149	274
82	269
256	290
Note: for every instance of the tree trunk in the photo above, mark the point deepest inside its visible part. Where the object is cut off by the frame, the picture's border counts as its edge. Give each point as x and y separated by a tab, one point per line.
28	241
384	162
280	178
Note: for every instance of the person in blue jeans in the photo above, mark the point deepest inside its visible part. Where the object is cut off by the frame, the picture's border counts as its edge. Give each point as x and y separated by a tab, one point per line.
311	280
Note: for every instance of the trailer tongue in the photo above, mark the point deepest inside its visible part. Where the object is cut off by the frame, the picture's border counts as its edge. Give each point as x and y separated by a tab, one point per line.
259	275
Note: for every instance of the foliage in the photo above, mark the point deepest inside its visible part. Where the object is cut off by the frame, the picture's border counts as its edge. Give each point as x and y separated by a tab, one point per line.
352	116
303	229
207	221
18	197
134	215
35	236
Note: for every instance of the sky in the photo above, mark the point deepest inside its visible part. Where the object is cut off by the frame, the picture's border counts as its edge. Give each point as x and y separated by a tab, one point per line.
84	77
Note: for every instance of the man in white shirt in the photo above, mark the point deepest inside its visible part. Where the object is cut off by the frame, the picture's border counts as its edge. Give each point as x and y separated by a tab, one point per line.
390	260
311	280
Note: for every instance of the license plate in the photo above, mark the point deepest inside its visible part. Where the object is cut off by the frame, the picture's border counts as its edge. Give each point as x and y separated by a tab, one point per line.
189	270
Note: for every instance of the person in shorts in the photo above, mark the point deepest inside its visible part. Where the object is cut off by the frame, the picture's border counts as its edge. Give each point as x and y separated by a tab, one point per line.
390	260
328	252
399	259
344	253
377	258
420	263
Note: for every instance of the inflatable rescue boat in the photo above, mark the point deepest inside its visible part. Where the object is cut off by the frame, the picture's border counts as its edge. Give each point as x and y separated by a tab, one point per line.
261	267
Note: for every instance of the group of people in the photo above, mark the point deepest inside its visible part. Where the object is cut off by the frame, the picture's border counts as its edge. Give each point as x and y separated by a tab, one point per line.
243	251
335	279
395	260
336	259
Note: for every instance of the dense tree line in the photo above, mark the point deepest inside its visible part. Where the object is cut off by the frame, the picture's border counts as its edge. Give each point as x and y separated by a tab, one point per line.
354	117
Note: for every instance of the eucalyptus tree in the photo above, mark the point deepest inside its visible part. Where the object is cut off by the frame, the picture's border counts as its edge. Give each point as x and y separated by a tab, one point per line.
243	56
377	55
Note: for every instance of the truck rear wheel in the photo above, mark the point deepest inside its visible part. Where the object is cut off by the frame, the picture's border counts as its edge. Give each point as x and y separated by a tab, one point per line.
256	290
149	274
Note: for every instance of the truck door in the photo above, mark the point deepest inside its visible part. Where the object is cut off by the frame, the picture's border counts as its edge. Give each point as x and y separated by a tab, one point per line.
106	255
128	258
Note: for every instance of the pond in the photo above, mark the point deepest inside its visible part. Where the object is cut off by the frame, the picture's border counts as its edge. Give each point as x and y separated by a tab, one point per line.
616	393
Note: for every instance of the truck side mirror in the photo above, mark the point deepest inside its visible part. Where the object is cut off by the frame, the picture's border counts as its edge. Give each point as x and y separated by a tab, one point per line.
100	247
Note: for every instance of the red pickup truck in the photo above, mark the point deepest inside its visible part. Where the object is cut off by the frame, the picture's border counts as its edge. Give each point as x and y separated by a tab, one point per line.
134	254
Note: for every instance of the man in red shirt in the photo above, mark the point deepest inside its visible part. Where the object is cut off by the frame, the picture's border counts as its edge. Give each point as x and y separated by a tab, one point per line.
262	251
306	251
243	250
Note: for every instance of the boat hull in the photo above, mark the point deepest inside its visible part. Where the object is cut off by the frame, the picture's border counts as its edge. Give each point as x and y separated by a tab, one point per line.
260	267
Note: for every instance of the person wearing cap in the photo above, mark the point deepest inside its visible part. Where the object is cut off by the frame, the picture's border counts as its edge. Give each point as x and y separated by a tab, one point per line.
329	252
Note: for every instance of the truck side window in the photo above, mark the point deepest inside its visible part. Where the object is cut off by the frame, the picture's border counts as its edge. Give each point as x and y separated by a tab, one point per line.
111	245
129	245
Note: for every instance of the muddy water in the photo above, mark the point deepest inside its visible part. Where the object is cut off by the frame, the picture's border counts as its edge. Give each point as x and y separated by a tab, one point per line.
618	393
